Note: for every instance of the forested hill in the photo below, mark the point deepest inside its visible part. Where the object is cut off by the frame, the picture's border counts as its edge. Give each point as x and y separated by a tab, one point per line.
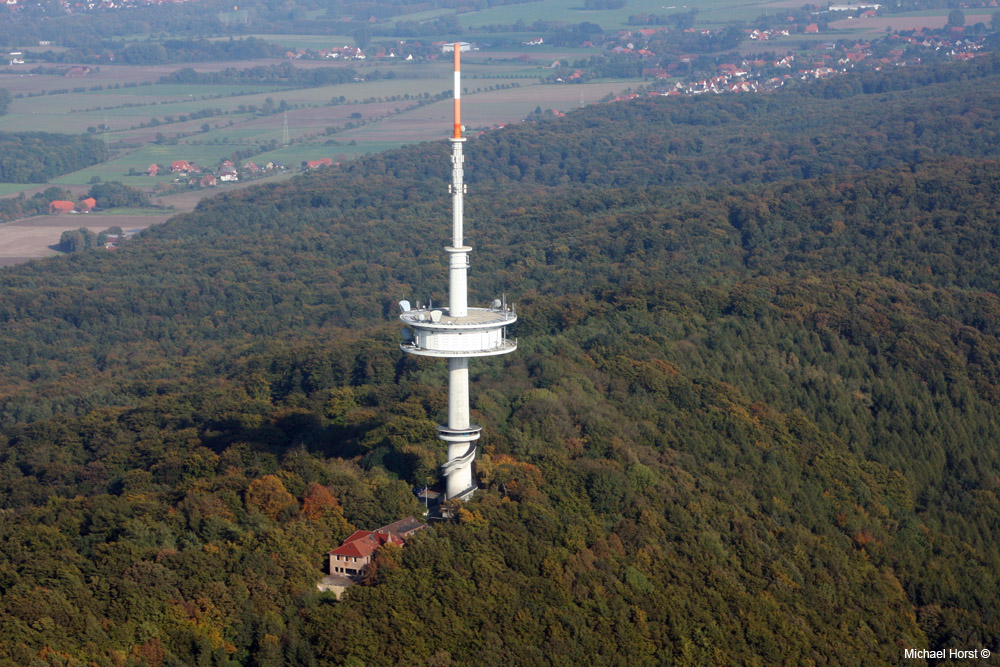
35	157
751	418
852	122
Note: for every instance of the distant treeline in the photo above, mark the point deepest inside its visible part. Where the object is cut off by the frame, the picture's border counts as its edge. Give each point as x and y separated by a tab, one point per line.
31	24
118	195
283	74
84	30
35	157
679	20
169	51
5	98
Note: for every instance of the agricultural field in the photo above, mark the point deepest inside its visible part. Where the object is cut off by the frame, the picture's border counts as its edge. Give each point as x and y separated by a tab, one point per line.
904	21
711	13
147	122
10	188
36	238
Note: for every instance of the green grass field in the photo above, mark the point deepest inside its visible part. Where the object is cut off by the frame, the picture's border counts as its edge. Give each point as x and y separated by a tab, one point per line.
571	11
13	188
293	156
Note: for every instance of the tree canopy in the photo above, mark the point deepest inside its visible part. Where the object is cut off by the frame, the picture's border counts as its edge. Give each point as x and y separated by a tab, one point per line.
750	420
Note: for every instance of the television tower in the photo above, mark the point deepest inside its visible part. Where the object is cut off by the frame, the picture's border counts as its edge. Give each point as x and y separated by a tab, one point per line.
458	333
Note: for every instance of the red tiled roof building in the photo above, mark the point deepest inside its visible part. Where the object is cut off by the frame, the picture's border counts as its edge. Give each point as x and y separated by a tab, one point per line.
61	206
355	553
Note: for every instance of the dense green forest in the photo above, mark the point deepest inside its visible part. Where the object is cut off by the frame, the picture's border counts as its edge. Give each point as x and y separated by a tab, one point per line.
751	418
35	157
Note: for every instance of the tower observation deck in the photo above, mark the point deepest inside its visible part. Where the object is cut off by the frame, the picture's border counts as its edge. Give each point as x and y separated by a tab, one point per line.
458	333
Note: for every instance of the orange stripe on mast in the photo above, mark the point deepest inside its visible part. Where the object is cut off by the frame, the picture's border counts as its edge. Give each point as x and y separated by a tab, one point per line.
458	94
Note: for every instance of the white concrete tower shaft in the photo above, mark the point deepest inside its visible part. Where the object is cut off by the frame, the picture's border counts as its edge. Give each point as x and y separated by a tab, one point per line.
460	332
459	477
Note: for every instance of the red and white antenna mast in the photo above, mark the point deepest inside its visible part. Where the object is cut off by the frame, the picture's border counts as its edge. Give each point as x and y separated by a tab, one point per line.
458	252
458	333
458	93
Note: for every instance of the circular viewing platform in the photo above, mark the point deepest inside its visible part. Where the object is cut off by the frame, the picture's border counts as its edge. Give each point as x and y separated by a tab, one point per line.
477	318
480	333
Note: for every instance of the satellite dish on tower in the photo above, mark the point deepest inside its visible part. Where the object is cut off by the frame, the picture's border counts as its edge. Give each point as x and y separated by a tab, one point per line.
435	316
404	306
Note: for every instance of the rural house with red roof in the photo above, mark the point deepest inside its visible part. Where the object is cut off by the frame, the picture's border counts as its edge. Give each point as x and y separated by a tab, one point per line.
353	556
350	561
316	164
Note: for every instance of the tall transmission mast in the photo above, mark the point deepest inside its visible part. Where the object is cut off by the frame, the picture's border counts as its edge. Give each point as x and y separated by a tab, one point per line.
284	130
458	333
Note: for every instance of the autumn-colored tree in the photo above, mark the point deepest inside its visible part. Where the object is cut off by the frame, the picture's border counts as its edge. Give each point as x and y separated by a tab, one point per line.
150	653
319	502
268	495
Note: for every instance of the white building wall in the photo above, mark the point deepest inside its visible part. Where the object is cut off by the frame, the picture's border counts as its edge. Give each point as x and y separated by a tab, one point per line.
471	341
